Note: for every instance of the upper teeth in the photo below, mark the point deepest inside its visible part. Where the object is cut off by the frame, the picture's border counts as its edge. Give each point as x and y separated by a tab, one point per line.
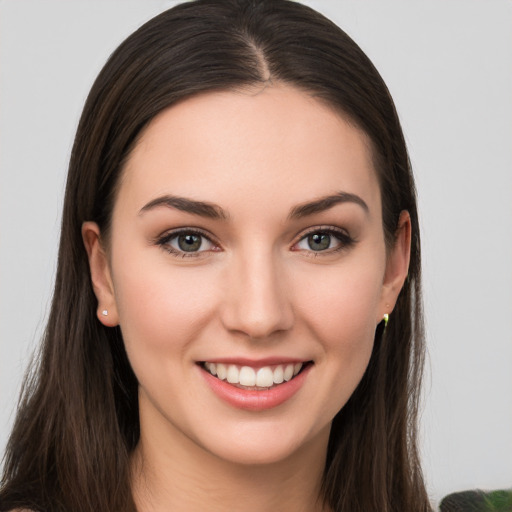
264	377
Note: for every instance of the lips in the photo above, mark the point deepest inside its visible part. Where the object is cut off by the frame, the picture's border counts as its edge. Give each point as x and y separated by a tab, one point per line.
255	386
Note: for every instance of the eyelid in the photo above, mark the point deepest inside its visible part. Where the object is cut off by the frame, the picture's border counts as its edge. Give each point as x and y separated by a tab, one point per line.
323	228
346	240
164	239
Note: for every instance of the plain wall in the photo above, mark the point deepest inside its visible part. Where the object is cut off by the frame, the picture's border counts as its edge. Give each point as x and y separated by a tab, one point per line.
448	65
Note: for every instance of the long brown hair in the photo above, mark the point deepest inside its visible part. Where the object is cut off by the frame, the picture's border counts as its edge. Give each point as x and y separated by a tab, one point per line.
77	422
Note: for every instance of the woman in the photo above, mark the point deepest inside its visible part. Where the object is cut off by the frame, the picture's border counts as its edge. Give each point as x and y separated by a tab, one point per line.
237	311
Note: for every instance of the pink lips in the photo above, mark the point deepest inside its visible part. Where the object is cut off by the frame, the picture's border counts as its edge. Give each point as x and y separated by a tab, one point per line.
256	400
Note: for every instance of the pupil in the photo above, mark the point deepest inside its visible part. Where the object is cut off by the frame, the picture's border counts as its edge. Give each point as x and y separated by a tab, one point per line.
189	243
319	241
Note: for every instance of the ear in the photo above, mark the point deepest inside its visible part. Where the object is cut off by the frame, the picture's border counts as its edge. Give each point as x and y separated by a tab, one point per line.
397	265
100	275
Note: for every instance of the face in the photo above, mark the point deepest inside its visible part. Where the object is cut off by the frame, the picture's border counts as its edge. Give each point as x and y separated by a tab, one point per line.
247	270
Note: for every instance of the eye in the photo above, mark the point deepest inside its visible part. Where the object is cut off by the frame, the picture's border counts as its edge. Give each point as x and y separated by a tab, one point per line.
325	240
186	243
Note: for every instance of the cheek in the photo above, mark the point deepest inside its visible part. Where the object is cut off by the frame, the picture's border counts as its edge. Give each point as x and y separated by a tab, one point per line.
161	308
340	311
344	301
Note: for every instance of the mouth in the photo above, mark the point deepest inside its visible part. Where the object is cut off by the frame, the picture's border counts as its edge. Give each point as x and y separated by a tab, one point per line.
262	378
255	386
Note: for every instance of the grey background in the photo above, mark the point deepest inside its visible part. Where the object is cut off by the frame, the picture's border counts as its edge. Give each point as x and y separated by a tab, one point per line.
448	64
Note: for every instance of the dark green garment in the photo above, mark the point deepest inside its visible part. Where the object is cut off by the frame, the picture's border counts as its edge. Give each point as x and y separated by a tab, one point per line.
478	501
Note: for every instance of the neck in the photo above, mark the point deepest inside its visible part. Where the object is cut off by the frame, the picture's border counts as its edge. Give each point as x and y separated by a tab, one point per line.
183	476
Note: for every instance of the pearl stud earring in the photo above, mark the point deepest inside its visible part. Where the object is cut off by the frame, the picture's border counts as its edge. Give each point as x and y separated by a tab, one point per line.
104	312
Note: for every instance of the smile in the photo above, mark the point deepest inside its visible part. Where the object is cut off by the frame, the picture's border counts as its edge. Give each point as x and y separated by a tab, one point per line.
258	386
248	377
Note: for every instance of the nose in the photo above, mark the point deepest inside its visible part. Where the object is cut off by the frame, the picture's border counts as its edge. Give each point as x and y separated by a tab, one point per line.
258	299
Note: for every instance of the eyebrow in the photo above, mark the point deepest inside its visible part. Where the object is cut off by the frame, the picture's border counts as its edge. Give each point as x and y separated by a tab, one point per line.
325	203
201	208
213	211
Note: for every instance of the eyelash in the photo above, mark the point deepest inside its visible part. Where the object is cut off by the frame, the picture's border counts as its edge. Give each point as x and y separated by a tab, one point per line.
164	240
345	240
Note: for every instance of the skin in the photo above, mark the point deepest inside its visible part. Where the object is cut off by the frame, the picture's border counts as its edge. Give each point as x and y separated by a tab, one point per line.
257	290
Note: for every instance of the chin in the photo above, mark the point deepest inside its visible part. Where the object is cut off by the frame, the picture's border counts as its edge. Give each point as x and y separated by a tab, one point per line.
266	444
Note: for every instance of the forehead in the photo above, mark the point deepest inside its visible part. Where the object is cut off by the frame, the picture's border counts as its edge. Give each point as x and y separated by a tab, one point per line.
265	147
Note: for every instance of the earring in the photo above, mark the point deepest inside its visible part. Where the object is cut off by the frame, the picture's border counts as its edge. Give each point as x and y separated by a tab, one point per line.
386	320
104	312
